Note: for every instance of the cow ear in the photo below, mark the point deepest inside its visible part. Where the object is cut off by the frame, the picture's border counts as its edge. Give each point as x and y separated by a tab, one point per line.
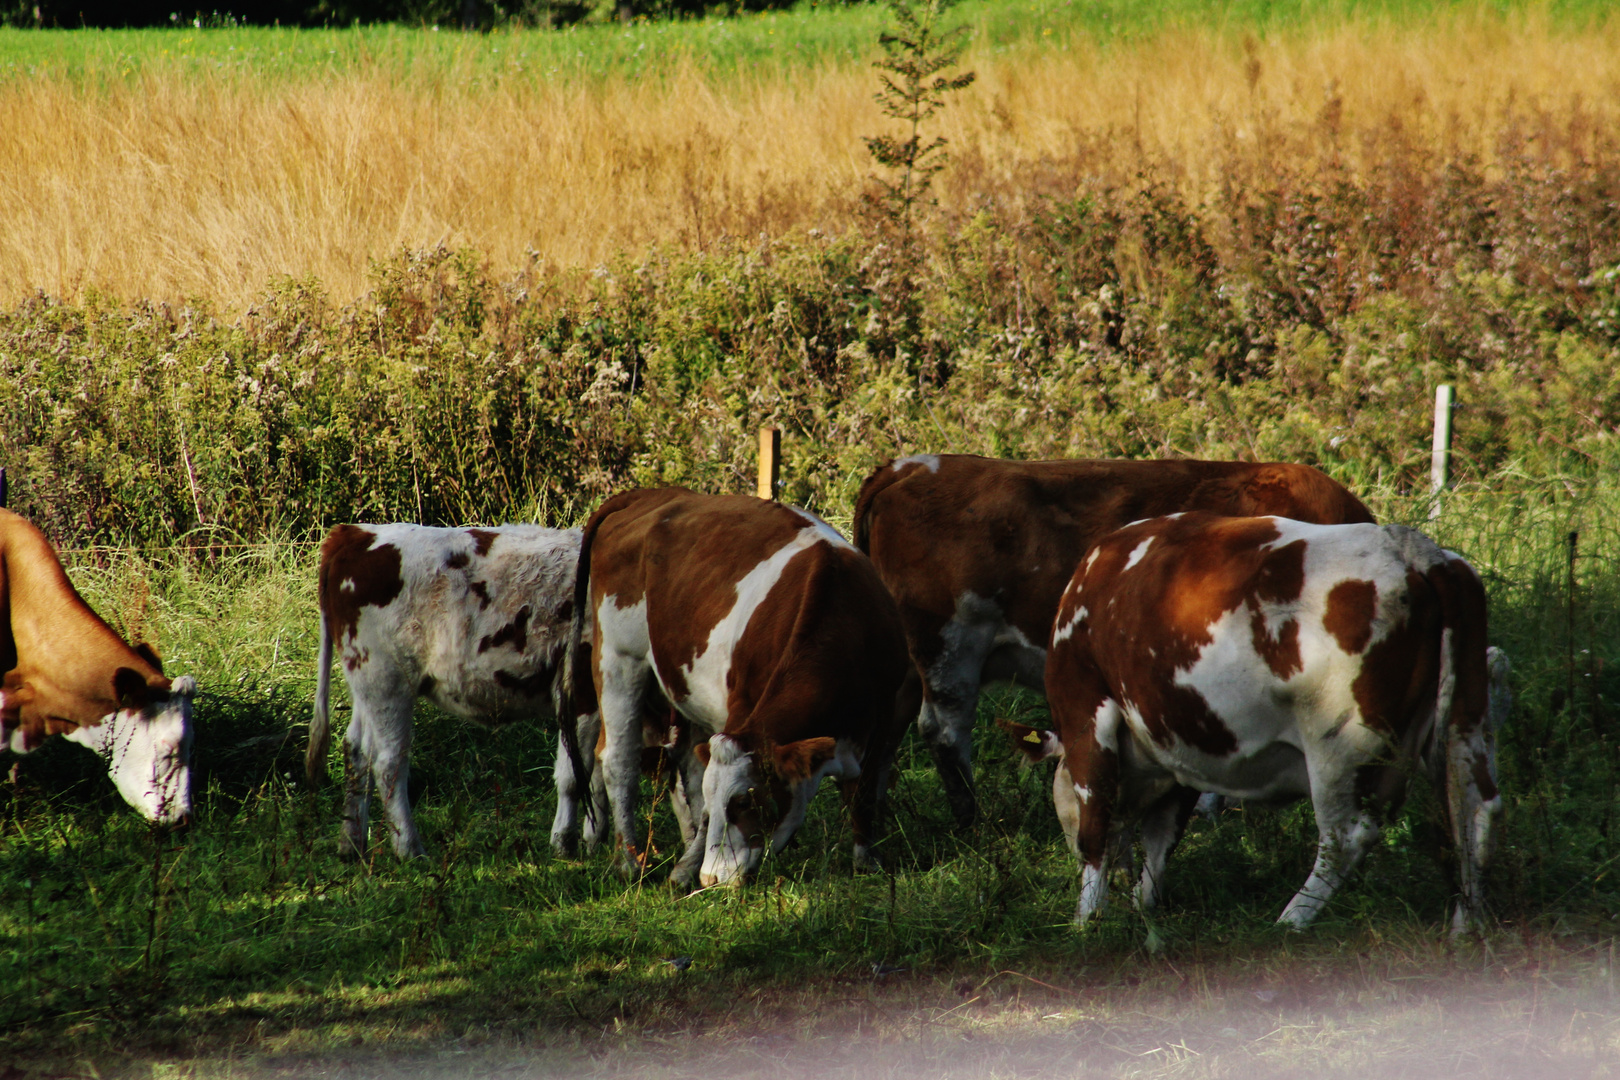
700	750
1036	744
149	654
803	759
130	689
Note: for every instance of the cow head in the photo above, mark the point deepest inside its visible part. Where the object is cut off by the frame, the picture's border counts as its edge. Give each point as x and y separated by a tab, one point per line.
146	743
747	803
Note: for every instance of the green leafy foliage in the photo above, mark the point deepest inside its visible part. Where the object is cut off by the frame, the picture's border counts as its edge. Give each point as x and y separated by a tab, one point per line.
1298	319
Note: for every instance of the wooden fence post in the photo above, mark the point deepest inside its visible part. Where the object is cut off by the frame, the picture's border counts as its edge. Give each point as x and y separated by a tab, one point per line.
1440	459
770	461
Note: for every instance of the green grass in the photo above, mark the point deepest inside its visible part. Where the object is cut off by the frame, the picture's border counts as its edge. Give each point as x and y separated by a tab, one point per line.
250	936
806	35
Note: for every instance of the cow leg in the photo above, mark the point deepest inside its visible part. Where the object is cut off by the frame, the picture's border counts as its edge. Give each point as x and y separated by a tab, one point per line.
867	795
1161	830
1473	798
687	796
599	824
624	678
1346	830
950	703
356	790
389	747
570	789
1084	788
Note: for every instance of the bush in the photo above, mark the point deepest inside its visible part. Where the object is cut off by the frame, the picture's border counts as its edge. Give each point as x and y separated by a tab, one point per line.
1306	320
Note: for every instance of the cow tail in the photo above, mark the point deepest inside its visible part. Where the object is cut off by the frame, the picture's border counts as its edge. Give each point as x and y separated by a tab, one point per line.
320	731
1464	732
873	486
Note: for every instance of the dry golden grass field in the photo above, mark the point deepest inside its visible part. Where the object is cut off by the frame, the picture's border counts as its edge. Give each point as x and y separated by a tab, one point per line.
167	183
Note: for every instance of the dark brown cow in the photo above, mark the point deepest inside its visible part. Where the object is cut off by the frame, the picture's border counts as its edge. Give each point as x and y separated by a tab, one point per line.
66	672
775	641
977	551
1263	658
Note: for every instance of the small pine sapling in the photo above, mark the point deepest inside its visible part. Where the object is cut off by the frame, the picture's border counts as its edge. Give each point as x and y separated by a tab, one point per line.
914	88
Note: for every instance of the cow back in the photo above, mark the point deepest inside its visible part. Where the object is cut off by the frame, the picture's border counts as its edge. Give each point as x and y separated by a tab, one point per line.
938	527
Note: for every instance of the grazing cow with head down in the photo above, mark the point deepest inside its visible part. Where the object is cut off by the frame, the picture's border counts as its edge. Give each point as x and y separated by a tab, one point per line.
474	620
1269	659
770	636
66	672
977	551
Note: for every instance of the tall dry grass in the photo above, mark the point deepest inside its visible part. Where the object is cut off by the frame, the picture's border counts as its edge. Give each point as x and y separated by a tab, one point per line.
170	185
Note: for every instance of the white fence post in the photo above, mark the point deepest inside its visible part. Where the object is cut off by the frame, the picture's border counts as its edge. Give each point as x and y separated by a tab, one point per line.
1440	461
770	461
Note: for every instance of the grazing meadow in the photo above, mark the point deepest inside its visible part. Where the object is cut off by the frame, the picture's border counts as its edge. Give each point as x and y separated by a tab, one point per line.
256	282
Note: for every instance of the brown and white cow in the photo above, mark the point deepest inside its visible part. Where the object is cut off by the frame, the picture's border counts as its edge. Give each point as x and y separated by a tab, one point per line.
1270	659
771	636
977	551
474	620
66	672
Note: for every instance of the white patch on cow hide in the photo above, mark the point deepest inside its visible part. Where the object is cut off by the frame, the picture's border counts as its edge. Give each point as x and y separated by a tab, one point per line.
1065	631
706	676
828	533
1105	722
1082	793
927	461
1137	552
1085	567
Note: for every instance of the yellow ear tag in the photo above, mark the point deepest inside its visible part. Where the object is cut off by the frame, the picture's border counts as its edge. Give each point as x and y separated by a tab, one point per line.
1033	736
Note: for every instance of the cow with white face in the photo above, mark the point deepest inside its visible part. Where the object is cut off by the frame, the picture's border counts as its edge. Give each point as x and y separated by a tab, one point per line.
773	640
977	551
1269	659
66	672
474	620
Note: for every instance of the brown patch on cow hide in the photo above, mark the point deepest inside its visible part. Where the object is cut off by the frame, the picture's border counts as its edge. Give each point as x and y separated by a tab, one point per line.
354	575
800	760
1351	606
457	561
1280	580
564	612
1399	672
515	633
480	590
483	540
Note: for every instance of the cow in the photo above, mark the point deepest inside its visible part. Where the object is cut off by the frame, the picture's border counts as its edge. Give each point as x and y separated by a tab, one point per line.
771	637
66	672
1270	659
977	551
474	620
